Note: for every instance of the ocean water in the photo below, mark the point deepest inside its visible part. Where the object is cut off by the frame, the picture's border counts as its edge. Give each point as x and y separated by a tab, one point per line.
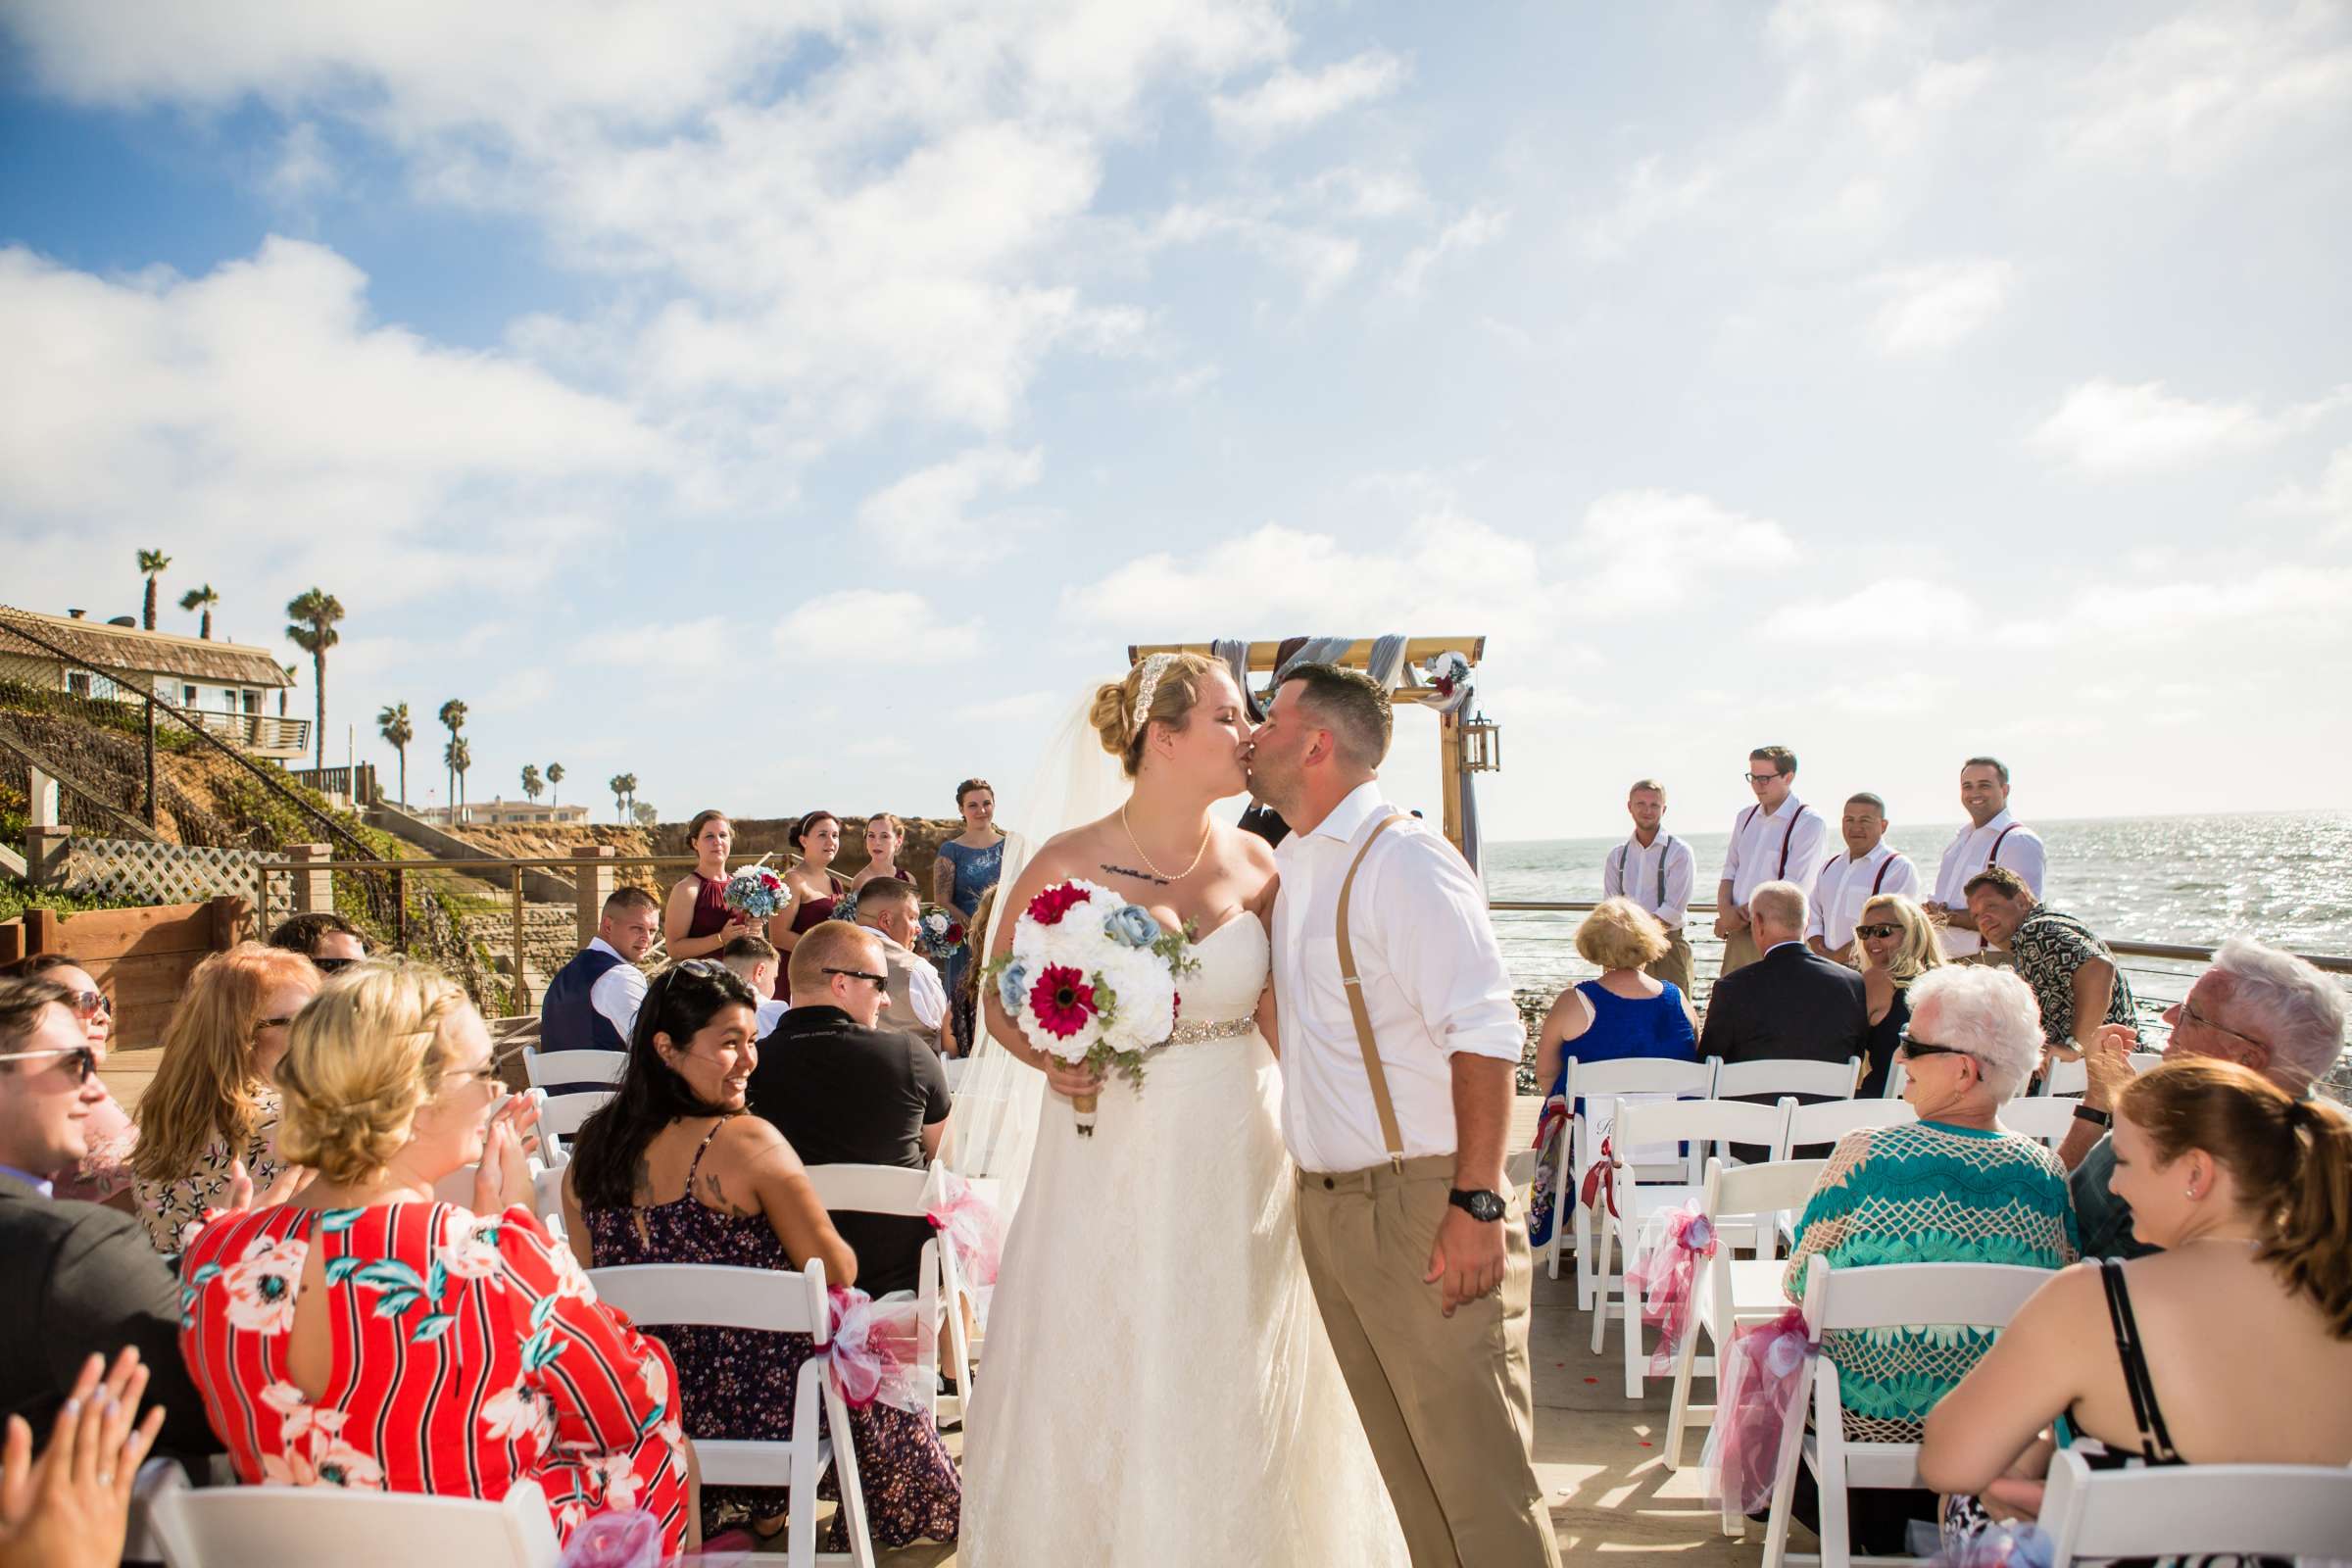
2284	878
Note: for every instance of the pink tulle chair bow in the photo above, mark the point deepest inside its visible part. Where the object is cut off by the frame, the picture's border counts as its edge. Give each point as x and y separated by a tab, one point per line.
1674	1243
2006	1544
875	1351
968	1225
1763	1374
625	1539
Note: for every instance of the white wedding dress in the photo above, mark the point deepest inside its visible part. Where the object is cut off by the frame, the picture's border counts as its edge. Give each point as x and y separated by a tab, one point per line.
1156	1385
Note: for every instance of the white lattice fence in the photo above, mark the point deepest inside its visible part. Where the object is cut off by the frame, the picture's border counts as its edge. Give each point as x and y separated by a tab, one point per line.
169	873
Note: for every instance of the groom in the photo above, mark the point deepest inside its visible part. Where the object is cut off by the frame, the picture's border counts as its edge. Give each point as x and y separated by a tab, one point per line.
1396	1102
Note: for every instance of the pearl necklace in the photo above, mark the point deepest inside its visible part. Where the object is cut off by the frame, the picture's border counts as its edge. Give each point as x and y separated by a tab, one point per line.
1165	879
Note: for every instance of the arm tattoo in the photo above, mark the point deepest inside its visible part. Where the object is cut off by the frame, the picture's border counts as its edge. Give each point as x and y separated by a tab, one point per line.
714	1196
642	1183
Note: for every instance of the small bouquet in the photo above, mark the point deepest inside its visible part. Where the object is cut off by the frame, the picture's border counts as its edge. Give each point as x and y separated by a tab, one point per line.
1092	979
939	934
755	892
1447	671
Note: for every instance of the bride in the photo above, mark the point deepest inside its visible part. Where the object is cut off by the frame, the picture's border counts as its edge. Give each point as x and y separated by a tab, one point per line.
1157	1386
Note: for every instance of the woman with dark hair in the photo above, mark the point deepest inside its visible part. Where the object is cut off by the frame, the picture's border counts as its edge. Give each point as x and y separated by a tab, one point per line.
969	866
815	890
697	923
673	1171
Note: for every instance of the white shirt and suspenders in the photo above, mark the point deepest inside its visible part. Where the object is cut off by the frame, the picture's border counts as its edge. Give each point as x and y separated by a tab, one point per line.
1657	877
2004	841
1782	846
1844	885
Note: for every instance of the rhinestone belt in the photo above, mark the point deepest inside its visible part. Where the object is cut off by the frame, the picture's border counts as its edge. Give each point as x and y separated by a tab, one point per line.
1192	1034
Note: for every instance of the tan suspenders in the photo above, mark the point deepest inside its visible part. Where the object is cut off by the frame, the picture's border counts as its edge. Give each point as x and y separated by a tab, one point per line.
1378	1078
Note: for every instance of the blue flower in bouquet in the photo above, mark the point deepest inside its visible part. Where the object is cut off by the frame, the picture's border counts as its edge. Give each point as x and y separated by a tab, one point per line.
1012	986
1131	926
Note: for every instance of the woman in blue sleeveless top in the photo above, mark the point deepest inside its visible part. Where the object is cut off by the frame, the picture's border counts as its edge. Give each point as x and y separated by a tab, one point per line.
968	866
1623	1013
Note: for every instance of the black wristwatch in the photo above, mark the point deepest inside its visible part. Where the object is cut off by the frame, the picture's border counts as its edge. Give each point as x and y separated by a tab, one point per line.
2092	1114
1481	1204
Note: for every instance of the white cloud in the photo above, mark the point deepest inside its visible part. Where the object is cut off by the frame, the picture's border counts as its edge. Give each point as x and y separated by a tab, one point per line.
2106	429
2330	500
1291	100
885	626
1647	200
2284	601
925	512
1835	623
1349	191
2203	89
303	168
1468	232
1322	260
1019	707
1929	309
1642	547
686	643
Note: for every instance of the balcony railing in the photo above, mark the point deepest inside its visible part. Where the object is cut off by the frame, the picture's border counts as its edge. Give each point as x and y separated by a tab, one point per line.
256	732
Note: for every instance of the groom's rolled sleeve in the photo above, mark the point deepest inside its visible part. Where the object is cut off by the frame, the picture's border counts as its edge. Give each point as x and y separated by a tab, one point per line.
1449	968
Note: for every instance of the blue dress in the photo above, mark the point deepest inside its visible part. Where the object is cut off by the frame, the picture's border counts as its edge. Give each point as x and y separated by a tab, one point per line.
976	871
1622	1027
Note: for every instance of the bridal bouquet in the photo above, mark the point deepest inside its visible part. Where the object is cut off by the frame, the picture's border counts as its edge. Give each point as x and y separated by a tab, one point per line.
1092	979
755	892
939	934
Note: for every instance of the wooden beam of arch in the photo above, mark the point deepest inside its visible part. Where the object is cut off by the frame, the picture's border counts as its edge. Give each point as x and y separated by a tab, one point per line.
1418	650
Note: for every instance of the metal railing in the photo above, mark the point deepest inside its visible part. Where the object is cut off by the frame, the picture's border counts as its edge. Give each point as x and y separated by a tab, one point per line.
254	732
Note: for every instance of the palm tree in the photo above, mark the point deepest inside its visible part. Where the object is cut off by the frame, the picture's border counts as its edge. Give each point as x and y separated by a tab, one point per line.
152	564
394	726
532	785
291	671
203	599
453	718
554	779
628	782
619	784
315	612
461	758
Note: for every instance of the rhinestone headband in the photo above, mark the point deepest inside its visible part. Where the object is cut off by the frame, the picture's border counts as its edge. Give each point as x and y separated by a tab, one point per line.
1152	667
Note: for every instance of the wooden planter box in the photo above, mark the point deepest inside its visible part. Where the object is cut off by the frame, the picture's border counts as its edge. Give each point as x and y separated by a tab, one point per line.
140	958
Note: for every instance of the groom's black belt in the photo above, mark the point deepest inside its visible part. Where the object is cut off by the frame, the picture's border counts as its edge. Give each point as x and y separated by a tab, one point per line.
1376	1177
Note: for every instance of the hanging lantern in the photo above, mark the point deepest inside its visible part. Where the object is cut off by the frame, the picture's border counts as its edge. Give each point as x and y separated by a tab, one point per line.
1481	745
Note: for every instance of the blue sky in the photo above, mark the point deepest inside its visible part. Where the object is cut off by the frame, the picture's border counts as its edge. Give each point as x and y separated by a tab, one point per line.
795	405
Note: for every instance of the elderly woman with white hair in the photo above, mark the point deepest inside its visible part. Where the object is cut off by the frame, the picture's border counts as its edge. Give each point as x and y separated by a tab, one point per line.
1949	1188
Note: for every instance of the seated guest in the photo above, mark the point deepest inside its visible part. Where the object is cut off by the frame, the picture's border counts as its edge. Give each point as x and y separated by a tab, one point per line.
81	1280
1868	866
755	961
70	1508
103	1174
326	938
1898	943
2073	976
844	1092
1623	1013
916	1002
363	1334
1792	1003
1949	1188
2212	1350
213	1105
885	837
591	1004
673	1171
2262	1008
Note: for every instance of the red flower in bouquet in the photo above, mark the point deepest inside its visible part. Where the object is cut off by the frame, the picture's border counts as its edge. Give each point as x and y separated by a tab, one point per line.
1062	1000
954	933
1048	906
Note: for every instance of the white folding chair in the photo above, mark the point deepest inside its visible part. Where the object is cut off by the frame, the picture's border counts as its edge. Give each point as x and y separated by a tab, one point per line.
1595	1083
2039	1116
1828	1120
2183	1511
566	1114
458	1188
237	1526
2066	1078
895	1189
655	1296
1981	1295
547	1197
1698	1122
2144	1060
549	1068
1735	1080
1731	1293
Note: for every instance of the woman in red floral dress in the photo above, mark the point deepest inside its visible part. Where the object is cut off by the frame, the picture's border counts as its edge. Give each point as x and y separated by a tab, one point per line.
366	1336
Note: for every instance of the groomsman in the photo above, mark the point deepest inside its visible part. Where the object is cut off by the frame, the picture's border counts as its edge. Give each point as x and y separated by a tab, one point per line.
1779	839
1656	870
1868	867
1992	838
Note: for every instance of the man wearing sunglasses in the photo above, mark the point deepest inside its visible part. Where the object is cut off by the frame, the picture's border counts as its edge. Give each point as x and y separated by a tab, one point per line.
844	1091
80	1278
326	938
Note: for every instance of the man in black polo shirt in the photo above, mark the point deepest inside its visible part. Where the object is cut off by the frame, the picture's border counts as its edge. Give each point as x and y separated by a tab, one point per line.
844	1092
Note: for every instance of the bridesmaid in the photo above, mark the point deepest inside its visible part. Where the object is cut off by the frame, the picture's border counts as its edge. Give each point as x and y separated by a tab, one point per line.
885	837
813	887
697	925
968	866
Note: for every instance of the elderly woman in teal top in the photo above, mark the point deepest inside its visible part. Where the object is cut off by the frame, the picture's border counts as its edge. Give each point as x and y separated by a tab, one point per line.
1952	1186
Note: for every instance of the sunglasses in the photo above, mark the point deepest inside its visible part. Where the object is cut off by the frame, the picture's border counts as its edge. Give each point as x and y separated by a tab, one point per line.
1905	1046
879	980
330	965
84	1060
1876	931
89	1004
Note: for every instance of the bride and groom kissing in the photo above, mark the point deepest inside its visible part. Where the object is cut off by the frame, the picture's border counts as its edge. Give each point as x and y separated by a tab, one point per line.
1275	1311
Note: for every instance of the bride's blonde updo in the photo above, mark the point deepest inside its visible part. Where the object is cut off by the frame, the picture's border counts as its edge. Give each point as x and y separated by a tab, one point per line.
368	1053
1174	682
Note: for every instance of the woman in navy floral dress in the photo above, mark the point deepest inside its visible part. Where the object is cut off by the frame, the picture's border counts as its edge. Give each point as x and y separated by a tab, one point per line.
673	1171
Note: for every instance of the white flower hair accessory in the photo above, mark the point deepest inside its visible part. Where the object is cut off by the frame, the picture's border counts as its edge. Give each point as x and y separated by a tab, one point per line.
1153	668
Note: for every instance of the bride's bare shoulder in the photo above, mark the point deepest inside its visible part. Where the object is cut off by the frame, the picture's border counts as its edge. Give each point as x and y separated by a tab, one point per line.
1073	851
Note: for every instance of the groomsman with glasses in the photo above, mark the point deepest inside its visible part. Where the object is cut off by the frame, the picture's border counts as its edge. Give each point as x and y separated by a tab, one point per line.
1779	839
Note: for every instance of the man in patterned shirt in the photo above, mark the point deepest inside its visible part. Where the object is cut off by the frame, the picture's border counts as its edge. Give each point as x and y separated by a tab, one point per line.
2073	976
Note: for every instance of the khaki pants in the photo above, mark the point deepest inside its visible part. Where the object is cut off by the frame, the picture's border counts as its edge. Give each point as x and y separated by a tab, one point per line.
1446	1400
1739	950
1675	966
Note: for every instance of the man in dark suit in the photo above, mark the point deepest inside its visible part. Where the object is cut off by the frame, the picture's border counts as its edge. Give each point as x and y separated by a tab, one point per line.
845	1092
78	1278
1790	1004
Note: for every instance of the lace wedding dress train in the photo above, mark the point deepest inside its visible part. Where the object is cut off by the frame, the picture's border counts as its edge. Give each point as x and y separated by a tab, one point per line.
1156	1385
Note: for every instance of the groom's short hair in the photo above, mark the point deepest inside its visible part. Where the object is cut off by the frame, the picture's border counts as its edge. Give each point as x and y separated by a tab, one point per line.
1352	705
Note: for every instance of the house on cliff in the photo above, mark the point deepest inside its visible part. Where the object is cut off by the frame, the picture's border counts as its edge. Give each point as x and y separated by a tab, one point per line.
219	685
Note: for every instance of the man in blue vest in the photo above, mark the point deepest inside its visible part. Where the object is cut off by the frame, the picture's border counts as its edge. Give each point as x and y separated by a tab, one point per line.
591	1004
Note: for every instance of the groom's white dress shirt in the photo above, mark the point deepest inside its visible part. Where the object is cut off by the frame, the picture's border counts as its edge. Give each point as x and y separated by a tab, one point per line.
1433	980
